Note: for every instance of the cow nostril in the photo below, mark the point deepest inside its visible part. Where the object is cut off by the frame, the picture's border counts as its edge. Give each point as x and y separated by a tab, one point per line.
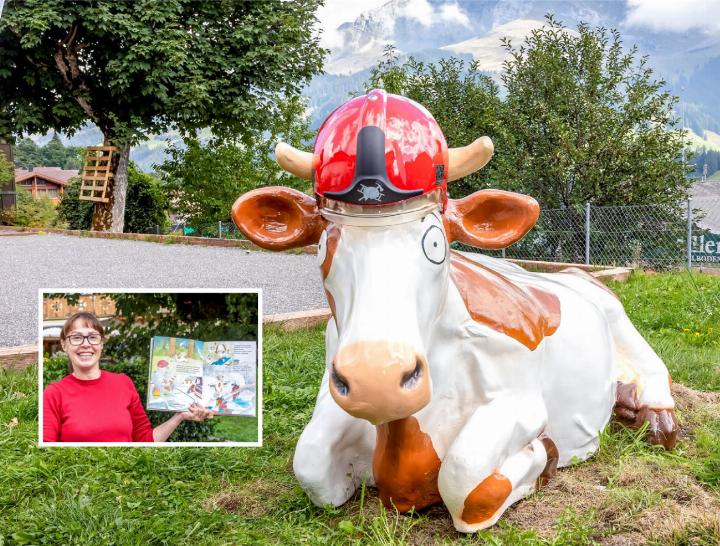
341	385
410	379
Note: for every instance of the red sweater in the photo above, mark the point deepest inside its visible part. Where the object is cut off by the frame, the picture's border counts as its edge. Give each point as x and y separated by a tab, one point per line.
106	409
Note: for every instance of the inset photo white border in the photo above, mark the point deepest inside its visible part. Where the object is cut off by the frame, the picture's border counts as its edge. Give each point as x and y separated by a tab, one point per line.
90	291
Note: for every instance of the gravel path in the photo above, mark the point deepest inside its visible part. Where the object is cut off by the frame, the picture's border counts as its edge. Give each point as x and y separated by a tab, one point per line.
289	282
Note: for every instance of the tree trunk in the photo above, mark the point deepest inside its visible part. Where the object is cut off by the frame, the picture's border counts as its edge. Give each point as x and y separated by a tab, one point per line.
110	216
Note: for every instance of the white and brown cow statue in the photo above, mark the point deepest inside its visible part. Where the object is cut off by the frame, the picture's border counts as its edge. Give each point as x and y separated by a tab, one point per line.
450	376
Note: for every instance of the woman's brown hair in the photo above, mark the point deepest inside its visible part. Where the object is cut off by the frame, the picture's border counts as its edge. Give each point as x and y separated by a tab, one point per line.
89	319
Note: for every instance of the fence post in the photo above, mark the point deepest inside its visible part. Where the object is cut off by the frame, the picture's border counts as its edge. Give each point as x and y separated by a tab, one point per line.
587	233
157	229
220	229
503	253
689	236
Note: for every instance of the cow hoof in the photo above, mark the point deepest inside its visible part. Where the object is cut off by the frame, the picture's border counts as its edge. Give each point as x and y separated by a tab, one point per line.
662	426
552	461
626	406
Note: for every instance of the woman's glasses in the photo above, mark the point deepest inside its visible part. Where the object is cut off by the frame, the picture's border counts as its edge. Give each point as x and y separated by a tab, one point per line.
77	339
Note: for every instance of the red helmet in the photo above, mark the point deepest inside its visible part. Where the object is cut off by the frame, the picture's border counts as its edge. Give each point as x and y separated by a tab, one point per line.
379	150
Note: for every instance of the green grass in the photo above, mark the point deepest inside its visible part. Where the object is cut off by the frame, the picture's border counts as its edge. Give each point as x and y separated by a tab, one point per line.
249	495
679	315
237	428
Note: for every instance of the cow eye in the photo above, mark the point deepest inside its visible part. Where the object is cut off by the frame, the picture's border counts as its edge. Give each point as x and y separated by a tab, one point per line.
434	246
322	248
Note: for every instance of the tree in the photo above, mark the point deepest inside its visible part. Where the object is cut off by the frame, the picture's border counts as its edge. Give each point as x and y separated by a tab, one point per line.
464	102
27	154
146	208
134	68
591	123
202	181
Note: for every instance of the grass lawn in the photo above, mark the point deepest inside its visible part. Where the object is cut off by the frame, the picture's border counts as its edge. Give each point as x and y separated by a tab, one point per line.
629	493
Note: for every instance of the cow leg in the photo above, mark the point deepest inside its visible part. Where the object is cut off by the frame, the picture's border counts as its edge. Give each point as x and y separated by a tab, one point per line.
496	460
334	453
643	392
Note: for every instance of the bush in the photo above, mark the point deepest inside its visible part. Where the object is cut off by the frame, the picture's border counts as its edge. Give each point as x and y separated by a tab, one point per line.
30	212
56	367
74	213
146	204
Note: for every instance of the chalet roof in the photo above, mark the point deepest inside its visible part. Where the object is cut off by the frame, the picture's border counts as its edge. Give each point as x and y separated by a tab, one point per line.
52	174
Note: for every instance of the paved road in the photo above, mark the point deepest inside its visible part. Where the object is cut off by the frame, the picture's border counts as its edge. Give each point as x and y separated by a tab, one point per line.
289	282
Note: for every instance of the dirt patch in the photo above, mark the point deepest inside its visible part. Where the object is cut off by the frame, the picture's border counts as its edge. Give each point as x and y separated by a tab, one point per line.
252	499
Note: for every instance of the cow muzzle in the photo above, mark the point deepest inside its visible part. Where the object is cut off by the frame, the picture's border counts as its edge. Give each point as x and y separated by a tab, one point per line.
380	381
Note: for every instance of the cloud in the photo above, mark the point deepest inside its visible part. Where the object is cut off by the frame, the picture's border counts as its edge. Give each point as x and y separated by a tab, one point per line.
674	15
336	12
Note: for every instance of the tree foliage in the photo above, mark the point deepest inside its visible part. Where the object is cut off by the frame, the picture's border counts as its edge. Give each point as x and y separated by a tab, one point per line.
581	120
202	181
53	154
590	122
29	212
146	209
7	172
134	68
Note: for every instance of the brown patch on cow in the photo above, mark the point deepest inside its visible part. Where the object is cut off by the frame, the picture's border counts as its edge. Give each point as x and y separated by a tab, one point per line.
278	218
525	315
588	277
406	466
333	238
662	423
486	499
553	455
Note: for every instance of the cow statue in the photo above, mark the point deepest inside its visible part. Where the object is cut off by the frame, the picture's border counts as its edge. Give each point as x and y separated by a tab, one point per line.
450	376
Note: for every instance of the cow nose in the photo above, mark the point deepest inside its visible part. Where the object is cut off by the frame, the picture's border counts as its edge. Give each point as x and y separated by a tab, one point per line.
380	381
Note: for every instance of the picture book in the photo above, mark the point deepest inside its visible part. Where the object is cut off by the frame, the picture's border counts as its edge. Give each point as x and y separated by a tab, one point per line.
219	375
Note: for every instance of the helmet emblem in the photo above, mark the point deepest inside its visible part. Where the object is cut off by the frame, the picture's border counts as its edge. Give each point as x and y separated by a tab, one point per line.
374	193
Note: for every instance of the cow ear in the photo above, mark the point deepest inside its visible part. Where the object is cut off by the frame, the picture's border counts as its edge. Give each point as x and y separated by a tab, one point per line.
278	218
490	219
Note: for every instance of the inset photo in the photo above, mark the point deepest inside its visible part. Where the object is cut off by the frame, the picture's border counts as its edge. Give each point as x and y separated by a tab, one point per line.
150	367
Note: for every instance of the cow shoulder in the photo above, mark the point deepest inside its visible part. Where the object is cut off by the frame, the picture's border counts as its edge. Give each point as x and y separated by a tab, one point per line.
527	314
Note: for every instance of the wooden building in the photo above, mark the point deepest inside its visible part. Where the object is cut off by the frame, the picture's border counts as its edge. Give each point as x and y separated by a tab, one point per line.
45	181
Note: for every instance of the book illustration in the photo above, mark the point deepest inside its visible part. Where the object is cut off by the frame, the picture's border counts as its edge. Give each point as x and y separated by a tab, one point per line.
219	375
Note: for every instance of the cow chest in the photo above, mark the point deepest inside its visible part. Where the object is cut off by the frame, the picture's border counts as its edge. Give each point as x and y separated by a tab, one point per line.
405	466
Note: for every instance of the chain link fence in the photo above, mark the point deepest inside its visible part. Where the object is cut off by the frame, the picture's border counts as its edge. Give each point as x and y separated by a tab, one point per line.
650	236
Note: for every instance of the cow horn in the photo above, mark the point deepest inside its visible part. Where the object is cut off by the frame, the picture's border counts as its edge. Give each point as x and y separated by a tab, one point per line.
468	159
294	161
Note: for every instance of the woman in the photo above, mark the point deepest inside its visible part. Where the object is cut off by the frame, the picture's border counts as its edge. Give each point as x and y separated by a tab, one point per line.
94	405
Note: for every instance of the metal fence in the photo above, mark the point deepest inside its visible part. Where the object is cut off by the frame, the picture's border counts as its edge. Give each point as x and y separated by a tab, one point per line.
651	236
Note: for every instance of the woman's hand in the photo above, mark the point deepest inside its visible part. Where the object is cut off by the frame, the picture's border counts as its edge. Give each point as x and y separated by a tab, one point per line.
196	413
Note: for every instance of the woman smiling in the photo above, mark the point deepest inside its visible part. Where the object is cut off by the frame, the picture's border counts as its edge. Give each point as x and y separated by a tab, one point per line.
95	405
